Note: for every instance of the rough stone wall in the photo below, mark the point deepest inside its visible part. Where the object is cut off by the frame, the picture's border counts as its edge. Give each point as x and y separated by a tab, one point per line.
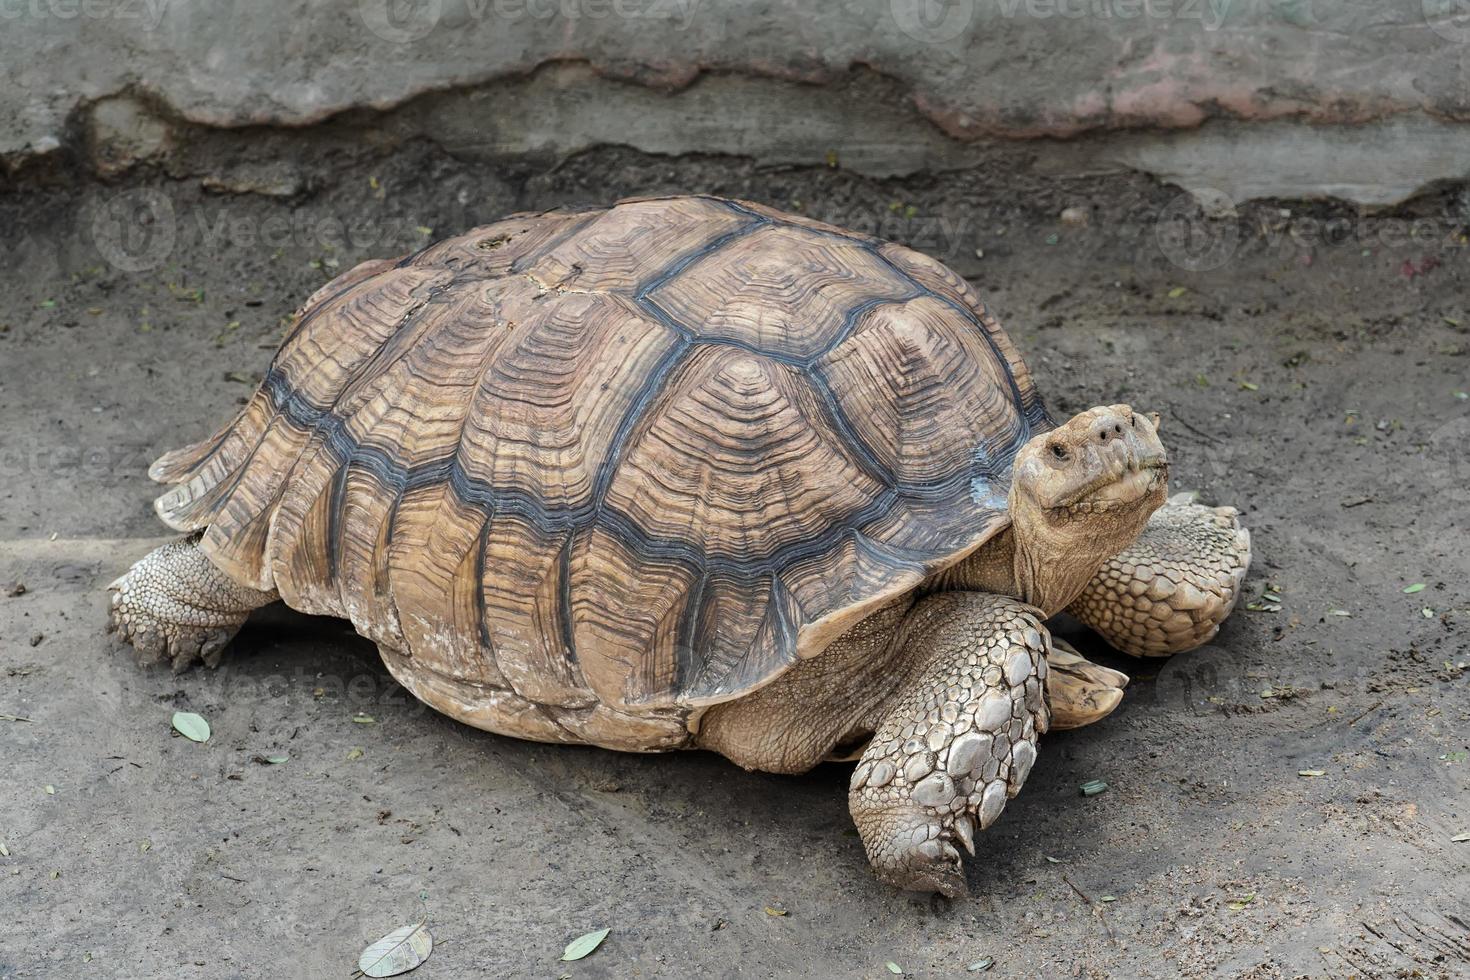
1364	99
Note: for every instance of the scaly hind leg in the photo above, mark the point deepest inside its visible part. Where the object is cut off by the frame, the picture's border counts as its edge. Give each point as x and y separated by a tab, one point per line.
1170	591
175	604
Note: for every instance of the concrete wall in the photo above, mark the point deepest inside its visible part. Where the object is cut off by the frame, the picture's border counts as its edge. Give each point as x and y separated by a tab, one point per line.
1364	99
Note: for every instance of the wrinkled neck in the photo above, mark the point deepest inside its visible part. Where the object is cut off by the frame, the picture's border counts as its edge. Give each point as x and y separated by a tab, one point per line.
1048	578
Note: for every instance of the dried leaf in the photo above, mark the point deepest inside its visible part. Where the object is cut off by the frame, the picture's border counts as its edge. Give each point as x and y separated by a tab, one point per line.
50	790
1310	773
774	911
979	965
1107	898
4	851
354	753
191	726
1457	839
894	968
363	719
1412	589
584	944
398	952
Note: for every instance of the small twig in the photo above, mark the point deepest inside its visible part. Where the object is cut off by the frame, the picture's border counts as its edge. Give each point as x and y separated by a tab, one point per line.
1097	909
13	718
1079	891
1367	711
1175	416
230	878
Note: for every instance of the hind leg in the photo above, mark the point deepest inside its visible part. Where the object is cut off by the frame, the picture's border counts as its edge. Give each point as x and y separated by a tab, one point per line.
175	604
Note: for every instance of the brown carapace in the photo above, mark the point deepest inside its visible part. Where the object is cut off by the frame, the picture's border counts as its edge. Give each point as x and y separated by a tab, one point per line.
644	456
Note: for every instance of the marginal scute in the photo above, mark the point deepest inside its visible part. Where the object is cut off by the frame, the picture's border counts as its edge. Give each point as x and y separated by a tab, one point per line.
576	467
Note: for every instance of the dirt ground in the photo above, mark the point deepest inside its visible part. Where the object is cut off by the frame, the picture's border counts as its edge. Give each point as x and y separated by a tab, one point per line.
1281	803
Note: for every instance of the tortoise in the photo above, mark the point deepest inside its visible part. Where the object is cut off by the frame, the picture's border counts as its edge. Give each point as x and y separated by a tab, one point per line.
688	472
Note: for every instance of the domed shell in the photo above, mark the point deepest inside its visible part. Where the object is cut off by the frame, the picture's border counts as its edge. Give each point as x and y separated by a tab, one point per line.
645	457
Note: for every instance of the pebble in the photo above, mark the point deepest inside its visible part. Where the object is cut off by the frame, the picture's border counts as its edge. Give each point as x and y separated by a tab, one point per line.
1074	217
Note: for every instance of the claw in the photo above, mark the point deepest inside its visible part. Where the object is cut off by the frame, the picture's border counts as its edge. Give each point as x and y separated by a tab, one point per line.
964	829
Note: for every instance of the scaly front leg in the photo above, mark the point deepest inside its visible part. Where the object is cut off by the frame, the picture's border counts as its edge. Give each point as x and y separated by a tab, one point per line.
1170	591
957	737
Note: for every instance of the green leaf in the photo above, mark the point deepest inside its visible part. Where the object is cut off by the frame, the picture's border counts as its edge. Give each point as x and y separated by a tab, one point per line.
277	760
979	965
1310	773
1250	386
584	944
191	726
354	753
4	851
1107	898
894	968
398	952
1093	787
363	719
1177	292
1415	588
1053	238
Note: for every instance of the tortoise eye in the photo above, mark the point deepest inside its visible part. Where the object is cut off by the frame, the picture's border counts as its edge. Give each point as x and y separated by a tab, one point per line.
1057	451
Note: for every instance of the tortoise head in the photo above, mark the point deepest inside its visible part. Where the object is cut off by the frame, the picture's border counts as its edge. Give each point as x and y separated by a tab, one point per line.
1083	492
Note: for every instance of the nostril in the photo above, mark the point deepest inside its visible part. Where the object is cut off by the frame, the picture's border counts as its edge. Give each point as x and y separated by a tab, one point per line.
1118	429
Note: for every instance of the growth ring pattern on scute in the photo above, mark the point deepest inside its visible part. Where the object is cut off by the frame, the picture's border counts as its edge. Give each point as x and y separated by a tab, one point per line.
623	460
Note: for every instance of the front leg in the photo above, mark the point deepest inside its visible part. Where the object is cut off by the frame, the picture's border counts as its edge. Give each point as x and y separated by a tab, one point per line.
956	738
1170	591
